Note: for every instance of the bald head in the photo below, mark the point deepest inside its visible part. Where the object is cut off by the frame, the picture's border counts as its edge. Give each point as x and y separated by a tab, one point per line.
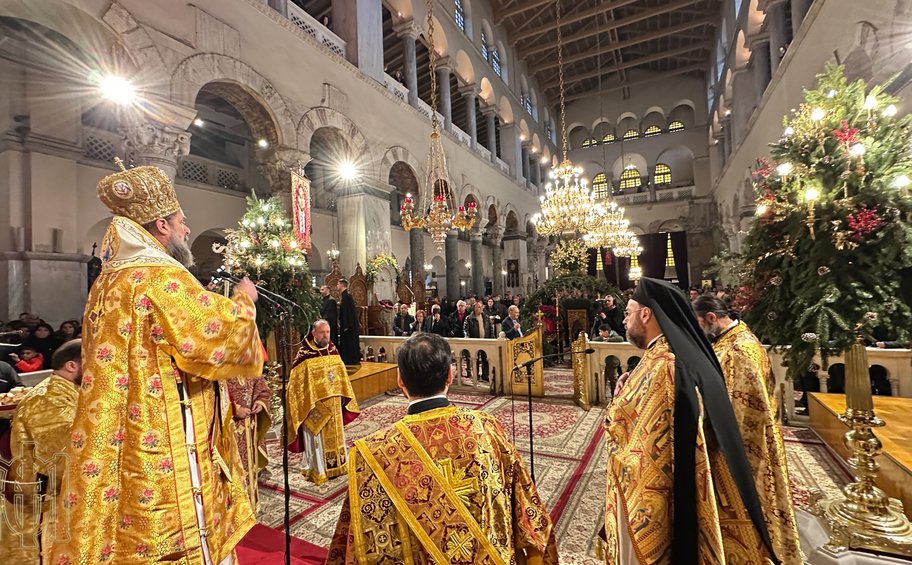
320	330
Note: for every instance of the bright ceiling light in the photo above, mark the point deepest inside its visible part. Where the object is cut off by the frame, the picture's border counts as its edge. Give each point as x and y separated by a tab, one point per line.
199	122
262	143
348	170
117	89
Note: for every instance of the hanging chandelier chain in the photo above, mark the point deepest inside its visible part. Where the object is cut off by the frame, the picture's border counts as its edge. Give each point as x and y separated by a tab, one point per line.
560	67
432	56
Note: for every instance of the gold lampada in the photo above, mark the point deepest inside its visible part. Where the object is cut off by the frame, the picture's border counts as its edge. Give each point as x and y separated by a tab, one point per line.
866	518
440	217
636	272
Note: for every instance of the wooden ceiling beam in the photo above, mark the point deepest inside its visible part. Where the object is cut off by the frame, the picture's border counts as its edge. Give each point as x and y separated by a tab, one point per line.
706	45
566	20
645	15
624	44
523	7
627	84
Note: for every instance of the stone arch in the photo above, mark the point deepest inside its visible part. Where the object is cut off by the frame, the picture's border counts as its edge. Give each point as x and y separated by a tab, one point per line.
257	117
315	258
683	112
403	176
486	91
576	135
653	117
628	159
505	109
536	144
206	259
197	71
742	53
401	9
398	153
680	159
511	223
322	116
754	18
523	130
441	43
464	68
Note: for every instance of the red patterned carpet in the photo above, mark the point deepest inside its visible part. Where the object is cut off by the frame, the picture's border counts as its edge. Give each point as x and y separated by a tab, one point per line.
570	462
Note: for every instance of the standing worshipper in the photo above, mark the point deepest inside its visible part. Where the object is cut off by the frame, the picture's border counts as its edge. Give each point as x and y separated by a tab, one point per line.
250	402
402	323
439	323
511	327
349	332
680	488
152	457
39	435
442	484
749	380
320	403
329	311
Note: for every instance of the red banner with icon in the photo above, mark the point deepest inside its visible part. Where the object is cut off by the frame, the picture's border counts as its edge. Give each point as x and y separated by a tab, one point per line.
300	205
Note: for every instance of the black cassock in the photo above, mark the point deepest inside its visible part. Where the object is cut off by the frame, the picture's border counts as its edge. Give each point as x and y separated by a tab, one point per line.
349	333
330	313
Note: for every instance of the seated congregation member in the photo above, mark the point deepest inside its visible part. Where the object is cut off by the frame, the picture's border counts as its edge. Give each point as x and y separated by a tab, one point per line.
28	359
605	333
68	330
320	402
39	435
402	323
44	342
421	323
511	326
442	484
439	324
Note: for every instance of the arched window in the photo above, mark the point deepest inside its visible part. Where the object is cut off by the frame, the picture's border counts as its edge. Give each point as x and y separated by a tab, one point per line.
630	179
459	15
587	142
675	126
609	138
495	63
662	174
485	52
600	186
652	131
526	100
631	134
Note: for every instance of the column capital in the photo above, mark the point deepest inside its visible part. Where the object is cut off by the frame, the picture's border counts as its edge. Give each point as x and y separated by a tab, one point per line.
489	111
155	143
445	64
407	28
495	234
470	89
277	164
479	228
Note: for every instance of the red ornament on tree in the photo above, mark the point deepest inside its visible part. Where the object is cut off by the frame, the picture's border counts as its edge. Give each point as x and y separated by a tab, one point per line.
863	223
845	134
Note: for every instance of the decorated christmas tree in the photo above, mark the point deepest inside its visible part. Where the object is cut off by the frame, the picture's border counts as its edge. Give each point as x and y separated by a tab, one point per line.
264	248
832	237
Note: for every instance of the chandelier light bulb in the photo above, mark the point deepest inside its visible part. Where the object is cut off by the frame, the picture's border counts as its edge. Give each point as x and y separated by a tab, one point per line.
890	111
784	169
870	102
818	114
857	150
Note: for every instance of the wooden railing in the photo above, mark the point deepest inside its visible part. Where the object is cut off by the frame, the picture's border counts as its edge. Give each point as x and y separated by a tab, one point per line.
466	353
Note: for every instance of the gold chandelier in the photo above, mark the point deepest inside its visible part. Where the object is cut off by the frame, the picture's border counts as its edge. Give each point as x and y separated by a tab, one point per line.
440	217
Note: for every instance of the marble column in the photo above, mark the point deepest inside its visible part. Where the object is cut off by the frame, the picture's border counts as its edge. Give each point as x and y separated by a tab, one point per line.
726	137
742	102
535	171
451	257
360	24
491	118
445	100
478	256
409	32
510	150
495	234
760	61
416	253
799	11
525	167
468	92
364	226
775	23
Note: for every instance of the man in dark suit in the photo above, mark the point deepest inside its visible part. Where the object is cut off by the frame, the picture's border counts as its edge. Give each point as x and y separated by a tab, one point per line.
330	312
403	321
349	330
439	323
457	320
477	325
510	325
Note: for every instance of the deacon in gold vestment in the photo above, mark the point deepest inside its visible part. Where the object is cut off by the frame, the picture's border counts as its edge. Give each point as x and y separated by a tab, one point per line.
320	402
153	466
40	432
442	485
749	379
679	486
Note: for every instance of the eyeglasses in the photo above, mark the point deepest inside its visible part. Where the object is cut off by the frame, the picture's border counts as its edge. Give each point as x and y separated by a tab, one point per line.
628	313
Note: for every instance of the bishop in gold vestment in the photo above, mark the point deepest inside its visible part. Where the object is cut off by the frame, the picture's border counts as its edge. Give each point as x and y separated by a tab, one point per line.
39	434
442	485
154	471
749	379
320	402
679	487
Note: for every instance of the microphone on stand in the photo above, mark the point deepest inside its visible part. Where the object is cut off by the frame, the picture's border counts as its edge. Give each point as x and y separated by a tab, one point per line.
221	273
528	366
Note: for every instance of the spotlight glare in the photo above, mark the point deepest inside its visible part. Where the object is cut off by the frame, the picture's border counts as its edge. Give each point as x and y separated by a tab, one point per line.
199	123
348	170
117	89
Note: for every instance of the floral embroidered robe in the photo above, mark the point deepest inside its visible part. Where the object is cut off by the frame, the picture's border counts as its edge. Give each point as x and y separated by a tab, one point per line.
39	434
749	379
250	432
640	482
441	486
153	343
320	402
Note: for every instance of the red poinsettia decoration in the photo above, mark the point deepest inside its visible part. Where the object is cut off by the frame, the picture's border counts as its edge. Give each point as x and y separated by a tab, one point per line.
863	222
845	134
764	168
